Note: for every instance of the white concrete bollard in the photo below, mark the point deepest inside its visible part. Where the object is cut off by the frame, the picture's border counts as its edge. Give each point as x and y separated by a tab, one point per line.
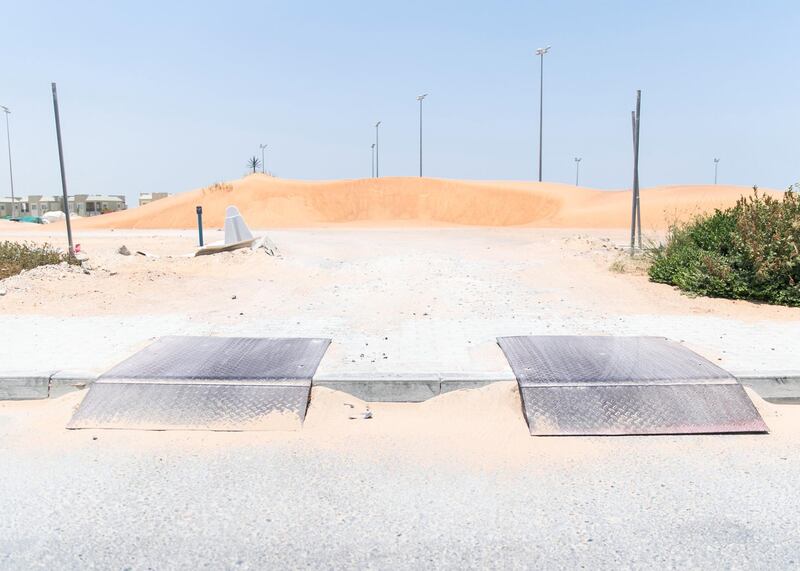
235	228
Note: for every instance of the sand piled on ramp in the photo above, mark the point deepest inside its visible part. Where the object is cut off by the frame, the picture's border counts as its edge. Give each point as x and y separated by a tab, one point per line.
481	428
268	202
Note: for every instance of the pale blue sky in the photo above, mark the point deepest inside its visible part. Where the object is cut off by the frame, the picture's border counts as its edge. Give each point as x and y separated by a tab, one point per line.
158	97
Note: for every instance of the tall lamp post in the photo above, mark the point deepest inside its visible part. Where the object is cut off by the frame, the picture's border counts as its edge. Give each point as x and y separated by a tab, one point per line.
373	161
7	111
420	98
377	151
577	170
262	147
716	165
540	52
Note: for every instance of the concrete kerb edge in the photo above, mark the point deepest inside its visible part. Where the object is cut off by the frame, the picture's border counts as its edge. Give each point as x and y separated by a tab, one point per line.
776	386
33	385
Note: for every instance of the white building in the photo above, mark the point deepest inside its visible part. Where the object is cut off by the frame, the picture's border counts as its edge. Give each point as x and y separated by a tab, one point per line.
148	197
19	207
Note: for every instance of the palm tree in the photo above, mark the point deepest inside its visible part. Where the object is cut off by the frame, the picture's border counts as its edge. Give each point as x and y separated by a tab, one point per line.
254	163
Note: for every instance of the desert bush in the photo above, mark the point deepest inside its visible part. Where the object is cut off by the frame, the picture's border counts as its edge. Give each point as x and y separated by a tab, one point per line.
749	251
218	187
16	257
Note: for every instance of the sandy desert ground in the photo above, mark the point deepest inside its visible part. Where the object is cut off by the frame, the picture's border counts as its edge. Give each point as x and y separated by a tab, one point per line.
455	481
419	300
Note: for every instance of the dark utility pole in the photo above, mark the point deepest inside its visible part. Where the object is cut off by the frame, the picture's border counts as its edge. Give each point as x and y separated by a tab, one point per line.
540	52
7	111
63	173
377	151
636	209
420	98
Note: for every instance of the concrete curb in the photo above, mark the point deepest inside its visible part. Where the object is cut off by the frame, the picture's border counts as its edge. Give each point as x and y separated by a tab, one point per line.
29	385
779	387
42	384
406	387
782	387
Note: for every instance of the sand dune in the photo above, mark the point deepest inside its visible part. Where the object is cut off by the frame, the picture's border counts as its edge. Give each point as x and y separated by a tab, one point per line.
268	202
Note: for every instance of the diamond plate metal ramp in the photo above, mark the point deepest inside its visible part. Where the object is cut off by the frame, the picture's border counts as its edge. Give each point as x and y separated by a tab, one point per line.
575	385
206	383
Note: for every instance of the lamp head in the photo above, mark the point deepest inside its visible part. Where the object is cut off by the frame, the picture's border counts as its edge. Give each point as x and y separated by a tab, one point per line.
421	97
542	51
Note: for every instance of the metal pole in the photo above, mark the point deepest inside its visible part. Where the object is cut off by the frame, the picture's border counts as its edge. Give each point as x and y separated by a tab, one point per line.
716	164
199	210
633	186
638	192
372	172
420	136
636	216
262	157
541	108
420	98
377	151
63	173
577	170
10	169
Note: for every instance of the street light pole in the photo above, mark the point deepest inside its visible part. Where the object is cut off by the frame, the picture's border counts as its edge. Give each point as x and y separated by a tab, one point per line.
540	52
7	111
63	172
262	147
373	161
420	98
716	164
577	169
377	151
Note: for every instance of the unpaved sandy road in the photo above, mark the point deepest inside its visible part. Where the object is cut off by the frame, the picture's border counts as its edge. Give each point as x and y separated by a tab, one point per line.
393	300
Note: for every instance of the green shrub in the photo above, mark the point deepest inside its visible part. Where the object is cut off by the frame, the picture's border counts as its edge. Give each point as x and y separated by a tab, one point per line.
749	251
16	256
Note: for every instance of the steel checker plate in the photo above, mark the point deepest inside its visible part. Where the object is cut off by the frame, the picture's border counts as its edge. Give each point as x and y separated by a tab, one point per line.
223	358
628	409
193	407
206	383
569	360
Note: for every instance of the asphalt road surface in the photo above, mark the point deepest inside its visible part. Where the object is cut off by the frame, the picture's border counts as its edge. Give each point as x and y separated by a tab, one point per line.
193	500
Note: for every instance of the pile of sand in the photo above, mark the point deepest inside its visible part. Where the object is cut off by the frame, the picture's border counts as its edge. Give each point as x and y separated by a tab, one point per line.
268	202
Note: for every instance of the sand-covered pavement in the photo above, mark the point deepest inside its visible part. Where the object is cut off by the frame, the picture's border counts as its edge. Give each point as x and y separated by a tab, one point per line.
421	300
455	482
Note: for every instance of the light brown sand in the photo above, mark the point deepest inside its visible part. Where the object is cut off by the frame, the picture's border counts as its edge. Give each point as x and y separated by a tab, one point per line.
478	427
268	202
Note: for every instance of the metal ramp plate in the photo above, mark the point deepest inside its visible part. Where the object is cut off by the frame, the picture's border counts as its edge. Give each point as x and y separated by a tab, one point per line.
206	383
575	385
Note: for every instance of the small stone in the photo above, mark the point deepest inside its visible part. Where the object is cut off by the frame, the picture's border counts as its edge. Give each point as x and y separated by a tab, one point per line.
124	250
3	291
233	297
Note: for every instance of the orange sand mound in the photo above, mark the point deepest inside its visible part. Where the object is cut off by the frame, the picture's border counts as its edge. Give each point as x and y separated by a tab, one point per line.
268	202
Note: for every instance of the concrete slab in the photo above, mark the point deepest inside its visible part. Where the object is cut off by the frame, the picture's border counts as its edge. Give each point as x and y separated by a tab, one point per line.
16	385
780	387
63	382
385	387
